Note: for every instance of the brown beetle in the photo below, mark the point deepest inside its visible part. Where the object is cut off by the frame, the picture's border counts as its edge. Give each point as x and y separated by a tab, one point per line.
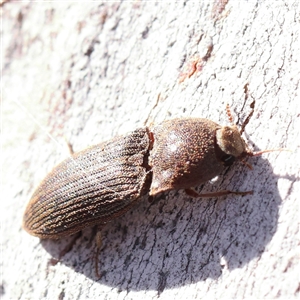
102	182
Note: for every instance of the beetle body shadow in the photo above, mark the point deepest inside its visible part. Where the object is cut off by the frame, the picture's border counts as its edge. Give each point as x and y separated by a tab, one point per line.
177	240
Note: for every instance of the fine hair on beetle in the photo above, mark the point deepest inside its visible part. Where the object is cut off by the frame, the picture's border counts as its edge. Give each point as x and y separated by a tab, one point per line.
102	182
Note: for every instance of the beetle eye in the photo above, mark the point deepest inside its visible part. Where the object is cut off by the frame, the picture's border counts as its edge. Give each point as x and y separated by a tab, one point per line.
228	160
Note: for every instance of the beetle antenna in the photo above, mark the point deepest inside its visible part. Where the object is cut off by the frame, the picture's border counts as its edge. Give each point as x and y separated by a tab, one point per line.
248	118
228	111
258	153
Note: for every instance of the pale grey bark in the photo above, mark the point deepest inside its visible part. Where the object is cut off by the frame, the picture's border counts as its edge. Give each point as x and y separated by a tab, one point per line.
87	72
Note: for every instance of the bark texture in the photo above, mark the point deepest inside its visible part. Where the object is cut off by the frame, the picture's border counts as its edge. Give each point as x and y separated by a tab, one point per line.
88	72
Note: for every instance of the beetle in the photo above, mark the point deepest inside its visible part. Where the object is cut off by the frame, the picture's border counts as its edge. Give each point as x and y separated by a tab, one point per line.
96	185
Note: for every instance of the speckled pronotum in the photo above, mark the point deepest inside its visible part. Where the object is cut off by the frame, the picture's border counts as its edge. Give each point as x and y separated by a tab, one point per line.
99	184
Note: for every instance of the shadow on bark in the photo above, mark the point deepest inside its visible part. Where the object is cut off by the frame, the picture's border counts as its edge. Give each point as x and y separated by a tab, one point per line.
176	240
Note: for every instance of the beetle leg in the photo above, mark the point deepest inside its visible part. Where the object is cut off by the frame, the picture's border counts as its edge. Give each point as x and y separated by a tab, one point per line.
53	261
249	166
98	245
99	238
194	194
70	245
70	146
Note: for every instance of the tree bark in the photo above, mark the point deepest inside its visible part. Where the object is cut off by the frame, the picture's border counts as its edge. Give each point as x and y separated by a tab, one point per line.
84	73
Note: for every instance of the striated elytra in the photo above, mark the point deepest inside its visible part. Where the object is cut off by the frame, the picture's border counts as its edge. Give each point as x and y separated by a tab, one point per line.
96	185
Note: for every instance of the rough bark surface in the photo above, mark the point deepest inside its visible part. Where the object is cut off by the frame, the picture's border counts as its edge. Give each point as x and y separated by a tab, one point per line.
87	72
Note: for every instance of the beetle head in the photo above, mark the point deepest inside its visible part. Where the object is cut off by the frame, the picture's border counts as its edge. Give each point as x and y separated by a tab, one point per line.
231	142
